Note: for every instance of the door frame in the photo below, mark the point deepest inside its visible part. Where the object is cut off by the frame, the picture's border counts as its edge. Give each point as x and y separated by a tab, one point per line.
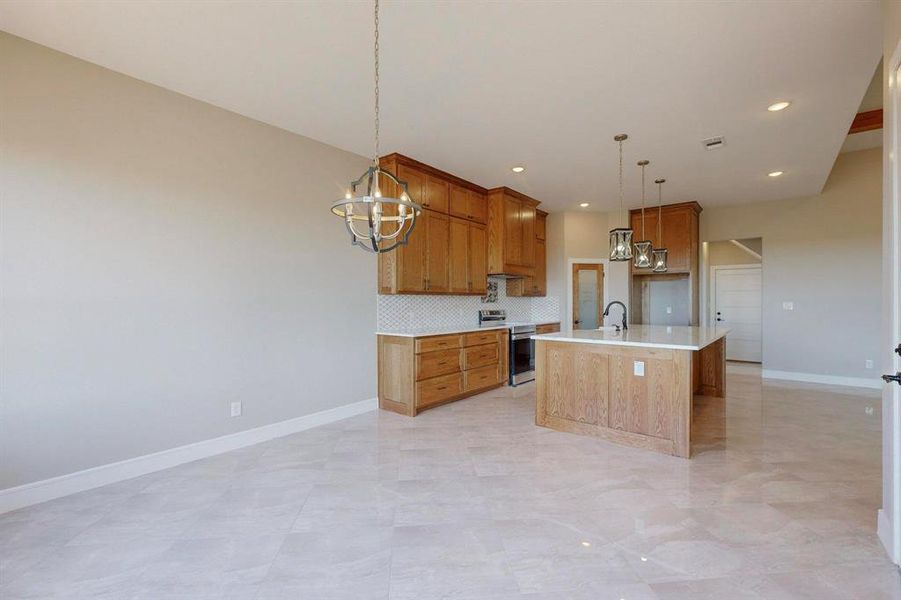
569	285
711	304
889	516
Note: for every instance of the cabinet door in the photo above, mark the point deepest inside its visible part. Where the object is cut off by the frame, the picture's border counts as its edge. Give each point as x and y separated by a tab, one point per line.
415	184
436	191
512	231
528	234
478	258
677	239
539	287
437	246
459	202
410	258
458	253
478	207
541	227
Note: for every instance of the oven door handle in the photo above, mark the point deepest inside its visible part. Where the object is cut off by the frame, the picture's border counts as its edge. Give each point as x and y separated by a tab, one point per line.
522	336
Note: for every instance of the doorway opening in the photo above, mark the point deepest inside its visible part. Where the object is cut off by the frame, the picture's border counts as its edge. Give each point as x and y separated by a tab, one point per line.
586	297
735	295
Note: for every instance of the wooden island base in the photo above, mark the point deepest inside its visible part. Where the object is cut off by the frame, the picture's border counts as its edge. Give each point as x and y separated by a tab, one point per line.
599	390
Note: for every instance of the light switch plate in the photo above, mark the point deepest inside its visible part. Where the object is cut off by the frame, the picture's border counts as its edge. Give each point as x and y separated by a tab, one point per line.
638	368
236	409
788	306
669	310
869	364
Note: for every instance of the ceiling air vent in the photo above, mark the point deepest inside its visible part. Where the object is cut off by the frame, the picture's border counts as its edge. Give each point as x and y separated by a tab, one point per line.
714	142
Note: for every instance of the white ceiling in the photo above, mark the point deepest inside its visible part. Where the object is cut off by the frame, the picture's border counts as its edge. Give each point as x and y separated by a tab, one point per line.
477	87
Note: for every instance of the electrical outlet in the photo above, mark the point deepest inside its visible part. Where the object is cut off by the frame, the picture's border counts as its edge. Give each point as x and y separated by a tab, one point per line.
236	409
669	310
869	364
788	306
869	410
638	368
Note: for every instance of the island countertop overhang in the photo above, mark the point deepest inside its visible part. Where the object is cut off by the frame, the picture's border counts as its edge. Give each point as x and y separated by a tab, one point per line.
674	337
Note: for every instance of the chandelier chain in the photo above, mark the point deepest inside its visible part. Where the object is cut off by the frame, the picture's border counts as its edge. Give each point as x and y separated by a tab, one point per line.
375	159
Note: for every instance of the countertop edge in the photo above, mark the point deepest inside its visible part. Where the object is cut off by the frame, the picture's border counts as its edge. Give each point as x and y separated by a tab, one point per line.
558	337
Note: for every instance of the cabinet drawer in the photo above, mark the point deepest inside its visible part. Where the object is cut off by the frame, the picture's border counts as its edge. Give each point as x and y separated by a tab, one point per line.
438	389
482	337
439	362
479	356
548	328
438	342
480	378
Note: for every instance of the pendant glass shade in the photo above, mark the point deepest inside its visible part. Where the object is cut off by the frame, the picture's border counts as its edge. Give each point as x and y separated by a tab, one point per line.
620	244
642	258
621	237
658	259
377	223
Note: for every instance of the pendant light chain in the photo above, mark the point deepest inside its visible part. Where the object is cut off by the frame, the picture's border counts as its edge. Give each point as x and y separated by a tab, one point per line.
643	164
659	210
621	209
375	159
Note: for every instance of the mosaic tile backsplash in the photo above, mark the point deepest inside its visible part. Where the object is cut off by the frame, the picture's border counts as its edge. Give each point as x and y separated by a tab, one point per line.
400	312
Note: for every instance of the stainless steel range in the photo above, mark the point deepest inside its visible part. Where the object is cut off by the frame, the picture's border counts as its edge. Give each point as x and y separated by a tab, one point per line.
522	347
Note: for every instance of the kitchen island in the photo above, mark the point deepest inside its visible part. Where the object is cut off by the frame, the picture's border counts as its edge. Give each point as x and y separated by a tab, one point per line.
633	387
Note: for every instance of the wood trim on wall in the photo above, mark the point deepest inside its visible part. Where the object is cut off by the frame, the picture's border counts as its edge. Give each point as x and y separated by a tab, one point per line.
866	121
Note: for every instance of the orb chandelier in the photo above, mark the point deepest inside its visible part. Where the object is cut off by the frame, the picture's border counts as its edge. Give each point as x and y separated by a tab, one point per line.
376	222
658	256
621	237
642	247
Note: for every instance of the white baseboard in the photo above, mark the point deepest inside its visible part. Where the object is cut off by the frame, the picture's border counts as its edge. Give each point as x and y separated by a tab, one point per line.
56	487
861	382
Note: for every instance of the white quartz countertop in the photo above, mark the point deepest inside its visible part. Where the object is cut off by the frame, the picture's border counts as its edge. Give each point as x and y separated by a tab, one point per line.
646	336
450	329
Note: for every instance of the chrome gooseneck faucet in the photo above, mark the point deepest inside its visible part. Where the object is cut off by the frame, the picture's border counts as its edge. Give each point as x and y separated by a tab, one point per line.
625	319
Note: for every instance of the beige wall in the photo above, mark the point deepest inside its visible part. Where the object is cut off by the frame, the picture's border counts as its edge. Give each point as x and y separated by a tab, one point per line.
824	254
727	253
583	235
161	258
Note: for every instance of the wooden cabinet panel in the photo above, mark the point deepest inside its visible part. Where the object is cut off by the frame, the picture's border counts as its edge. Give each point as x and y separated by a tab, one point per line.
541	225
642	404
539	280
438	342
438	389
478	259
512	231
459	202
677	239
482	337
547	328
439	362
415	184
527	217
436	251
583	371
479	356
410	261
436	193
478	208
483	377
458	256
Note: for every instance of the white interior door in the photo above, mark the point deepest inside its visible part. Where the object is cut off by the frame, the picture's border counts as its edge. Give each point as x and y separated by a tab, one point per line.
736	305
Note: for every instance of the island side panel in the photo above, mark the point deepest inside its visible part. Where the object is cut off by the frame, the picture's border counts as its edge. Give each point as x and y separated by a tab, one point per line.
592	389
712	369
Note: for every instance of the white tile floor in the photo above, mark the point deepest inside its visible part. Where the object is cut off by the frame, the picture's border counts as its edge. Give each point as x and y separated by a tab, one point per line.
472	501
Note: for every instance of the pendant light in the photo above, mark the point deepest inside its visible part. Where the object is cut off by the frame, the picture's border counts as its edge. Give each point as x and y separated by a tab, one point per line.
658	256
621	237
377	223
643	248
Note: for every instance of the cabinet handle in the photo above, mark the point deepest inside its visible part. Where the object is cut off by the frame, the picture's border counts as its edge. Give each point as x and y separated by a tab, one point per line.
442	363
443	387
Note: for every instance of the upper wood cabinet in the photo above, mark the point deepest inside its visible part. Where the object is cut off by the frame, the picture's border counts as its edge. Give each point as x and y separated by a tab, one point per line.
467	204
511	232
535	282
680	234
447	252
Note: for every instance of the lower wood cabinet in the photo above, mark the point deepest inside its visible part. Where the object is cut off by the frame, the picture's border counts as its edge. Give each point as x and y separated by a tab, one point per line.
547	328
418	373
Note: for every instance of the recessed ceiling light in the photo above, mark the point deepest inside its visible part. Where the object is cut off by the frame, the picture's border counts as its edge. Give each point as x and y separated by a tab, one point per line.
584	205
778	106
586	544
518	169
775	174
